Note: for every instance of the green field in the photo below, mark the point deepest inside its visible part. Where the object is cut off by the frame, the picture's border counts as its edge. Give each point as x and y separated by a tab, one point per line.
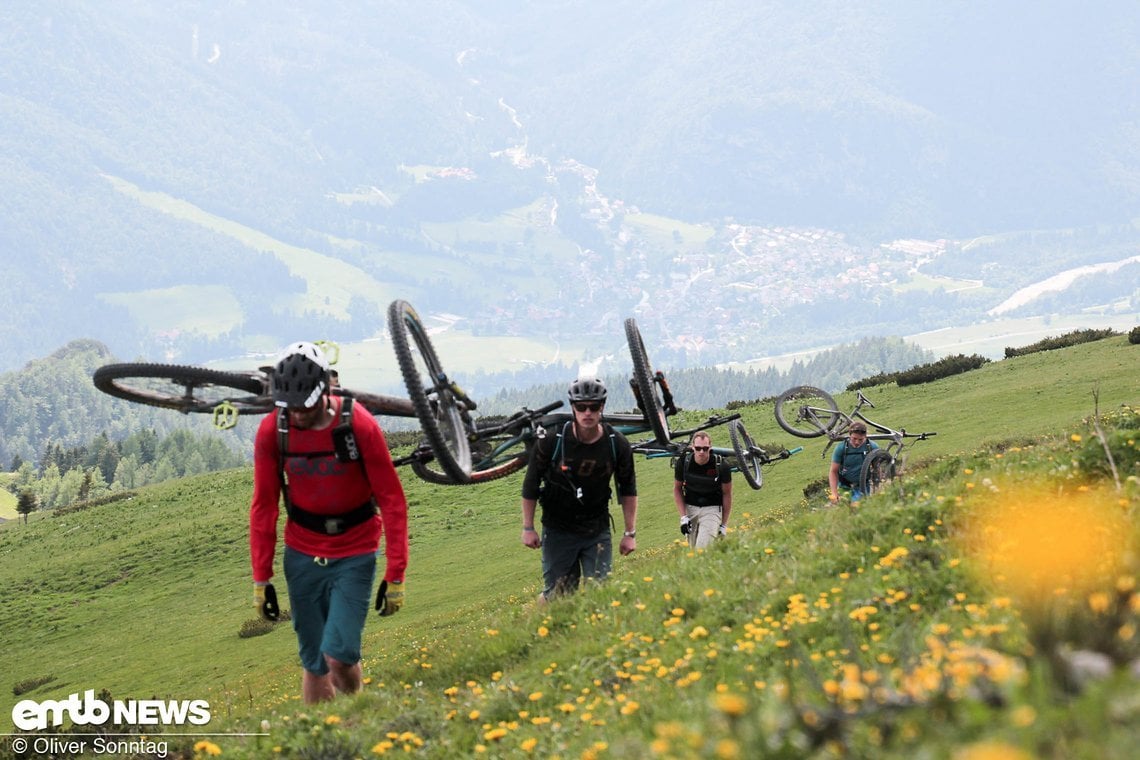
7	498
991	338
809	632
330	283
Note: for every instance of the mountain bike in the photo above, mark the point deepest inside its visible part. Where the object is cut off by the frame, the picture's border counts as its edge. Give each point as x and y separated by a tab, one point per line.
224	394
458	448
745	456
495	447
809	412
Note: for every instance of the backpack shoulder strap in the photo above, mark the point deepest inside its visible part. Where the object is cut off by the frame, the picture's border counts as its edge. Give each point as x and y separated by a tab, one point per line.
559	452
282	448
608	428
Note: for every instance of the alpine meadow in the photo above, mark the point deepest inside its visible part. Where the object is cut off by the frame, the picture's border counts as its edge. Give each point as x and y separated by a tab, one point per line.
929	212
984	605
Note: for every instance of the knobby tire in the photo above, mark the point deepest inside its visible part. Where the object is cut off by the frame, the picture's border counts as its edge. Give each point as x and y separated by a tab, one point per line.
185	389
442	421
747	461
878	470
806	411
653	409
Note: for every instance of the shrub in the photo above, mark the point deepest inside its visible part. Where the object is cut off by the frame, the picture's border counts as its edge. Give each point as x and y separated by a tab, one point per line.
260	626
1090	459
880	379
1134	335
944	367
29	684
1062	341
816	488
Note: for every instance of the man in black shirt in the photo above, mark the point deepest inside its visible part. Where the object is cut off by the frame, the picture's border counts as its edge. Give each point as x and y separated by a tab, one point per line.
569	474
702	491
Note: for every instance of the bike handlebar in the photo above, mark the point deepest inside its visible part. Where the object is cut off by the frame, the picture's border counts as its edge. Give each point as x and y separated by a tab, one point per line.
542	410
916	436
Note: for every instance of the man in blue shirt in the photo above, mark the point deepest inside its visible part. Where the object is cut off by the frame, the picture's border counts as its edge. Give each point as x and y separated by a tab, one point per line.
847	462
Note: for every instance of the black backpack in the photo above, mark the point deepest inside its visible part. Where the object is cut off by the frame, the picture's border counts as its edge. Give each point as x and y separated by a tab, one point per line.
345	450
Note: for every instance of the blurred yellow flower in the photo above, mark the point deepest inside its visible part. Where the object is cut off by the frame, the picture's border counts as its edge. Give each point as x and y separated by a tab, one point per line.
991	751
1023	716
728	749
731	704
1075	437
207	748
1099	602
1077	541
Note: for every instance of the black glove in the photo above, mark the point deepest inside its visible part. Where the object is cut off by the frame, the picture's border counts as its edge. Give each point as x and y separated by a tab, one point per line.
685	526
265	601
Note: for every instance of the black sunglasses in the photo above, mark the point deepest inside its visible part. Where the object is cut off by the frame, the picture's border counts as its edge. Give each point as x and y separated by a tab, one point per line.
702	448
582	406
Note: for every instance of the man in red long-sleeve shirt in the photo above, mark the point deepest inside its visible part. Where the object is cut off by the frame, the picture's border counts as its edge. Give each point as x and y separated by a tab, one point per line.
333	468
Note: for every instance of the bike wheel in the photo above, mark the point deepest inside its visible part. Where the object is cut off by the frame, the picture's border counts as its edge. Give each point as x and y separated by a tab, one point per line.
806	412
643	378
746	458
185	389
441	413
492	472
878	470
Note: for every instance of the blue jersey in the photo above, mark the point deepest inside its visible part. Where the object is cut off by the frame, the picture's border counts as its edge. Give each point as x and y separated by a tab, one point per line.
850	459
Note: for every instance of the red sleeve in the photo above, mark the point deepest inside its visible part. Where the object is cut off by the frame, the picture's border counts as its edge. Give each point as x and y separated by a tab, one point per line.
265	506
388	492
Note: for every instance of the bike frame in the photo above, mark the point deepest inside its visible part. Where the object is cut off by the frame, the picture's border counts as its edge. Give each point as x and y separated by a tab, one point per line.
896	438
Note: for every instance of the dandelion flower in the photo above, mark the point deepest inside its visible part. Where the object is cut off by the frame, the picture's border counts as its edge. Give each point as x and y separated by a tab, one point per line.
731	704
991	751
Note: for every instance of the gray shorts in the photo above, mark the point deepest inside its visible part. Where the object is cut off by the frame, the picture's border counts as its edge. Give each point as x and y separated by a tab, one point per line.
569	557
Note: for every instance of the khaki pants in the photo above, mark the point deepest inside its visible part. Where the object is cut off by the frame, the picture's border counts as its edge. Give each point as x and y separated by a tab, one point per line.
704	523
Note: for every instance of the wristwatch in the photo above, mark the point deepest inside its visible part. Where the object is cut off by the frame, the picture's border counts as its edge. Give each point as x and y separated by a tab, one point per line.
630	534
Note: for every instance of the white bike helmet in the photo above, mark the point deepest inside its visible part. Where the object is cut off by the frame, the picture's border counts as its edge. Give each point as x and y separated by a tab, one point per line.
301	376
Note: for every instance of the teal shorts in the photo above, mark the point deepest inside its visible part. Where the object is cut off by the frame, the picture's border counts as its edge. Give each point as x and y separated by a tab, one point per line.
330	599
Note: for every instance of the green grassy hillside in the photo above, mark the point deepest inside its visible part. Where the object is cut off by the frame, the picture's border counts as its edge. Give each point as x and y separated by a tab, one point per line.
809	631
7	498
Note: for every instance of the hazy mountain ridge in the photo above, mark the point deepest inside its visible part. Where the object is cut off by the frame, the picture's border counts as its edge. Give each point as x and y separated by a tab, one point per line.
511	152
